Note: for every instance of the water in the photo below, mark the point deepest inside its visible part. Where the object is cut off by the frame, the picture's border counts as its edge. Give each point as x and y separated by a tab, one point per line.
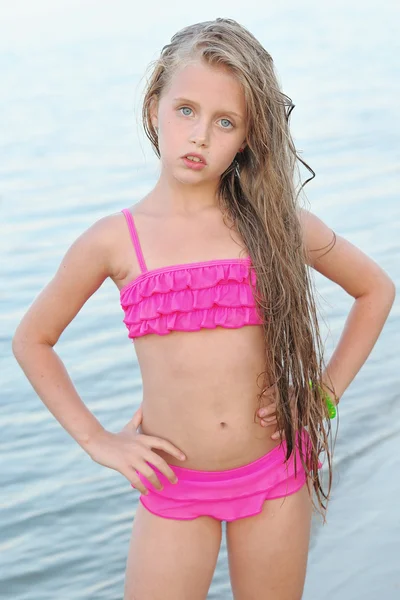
72	151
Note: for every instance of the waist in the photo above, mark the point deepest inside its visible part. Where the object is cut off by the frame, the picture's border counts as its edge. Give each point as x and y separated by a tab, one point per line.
225	356
200	393
214	432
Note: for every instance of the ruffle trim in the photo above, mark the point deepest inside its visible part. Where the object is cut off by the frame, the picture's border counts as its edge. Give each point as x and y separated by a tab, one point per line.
194	277
231	494
189	298
208	318
270	475
222	510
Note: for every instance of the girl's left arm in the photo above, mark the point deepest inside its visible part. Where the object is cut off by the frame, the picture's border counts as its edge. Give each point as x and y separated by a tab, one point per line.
373	290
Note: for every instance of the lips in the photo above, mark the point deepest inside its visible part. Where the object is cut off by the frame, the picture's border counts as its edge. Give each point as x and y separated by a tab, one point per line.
195	155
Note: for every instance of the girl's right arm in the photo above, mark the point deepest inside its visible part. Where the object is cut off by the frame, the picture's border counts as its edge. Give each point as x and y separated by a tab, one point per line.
87	263
81	272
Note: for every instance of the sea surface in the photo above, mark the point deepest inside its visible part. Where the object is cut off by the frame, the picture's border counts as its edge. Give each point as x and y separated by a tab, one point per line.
71	151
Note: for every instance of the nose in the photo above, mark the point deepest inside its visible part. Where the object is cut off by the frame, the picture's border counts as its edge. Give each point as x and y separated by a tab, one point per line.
200	134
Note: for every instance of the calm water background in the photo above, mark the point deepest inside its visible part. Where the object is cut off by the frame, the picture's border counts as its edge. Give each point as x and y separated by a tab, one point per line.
71	151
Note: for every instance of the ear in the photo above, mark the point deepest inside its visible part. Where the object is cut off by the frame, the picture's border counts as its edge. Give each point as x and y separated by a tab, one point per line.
154	112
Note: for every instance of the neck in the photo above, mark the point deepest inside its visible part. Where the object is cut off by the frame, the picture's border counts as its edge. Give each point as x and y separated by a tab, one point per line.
175	197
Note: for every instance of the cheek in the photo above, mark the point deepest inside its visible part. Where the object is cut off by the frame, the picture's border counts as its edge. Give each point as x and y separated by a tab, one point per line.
167	139
173	134
226	152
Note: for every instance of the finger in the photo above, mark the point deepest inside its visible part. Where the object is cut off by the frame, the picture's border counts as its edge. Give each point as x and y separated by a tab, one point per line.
161	444
136	482
145	469
269	422
136	419
267	411
162	466
271	389
277	435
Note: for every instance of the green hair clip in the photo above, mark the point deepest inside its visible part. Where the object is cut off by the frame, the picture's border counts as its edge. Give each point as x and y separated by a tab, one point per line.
328	400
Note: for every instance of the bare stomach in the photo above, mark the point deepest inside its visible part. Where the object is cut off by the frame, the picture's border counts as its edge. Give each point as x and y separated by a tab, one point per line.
201	395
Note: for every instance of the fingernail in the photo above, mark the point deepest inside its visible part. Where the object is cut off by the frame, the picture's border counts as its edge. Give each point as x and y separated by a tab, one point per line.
262	412
182	457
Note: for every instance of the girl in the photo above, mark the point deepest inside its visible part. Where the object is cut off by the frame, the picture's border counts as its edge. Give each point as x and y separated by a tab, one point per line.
212	267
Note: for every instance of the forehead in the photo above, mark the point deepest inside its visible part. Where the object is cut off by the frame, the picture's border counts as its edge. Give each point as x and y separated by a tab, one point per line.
208	85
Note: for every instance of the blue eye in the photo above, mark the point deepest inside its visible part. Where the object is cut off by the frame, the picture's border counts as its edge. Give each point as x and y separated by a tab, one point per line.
227	121
189	109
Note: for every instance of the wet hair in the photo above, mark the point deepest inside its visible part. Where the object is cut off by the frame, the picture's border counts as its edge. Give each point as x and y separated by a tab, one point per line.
258	198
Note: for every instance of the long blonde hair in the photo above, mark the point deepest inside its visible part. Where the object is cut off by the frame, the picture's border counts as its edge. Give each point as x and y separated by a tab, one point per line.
258	198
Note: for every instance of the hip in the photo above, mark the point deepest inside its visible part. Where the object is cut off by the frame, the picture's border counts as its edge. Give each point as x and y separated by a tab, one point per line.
230	494
215	429
215	448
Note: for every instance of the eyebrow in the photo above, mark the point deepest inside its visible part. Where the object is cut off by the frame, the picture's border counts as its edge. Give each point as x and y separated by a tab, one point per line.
231	112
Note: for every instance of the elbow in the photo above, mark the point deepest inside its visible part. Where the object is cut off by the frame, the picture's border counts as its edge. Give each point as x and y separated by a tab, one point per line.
391	290
23	343
381	295
384	286
385	293
18	343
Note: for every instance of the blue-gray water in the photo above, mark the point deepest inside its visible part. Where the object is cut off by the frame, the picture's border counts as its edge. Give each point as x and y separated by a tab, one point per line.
71	151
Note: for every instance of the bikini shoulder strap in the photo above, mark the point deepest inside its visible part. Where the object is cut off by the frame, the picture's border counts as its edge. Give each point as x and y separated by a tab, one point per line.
135	238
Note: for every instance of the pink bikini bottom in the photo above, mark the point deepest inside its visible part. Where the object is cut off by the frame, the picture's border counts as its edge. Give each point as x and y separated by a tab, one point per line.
227	495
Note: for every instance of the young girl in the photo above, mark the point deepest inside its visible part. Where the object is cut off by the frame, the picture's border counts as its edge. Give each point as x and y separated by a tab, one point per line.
213	272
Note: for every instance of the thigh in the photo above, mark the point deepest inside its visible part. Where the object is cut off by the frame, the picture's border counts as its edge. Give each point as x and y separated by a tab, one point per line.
170	559
268	552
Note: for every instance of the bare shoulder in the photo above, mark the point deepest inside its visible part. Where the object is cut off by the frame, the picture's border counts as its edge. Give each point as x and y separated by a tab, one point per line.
99	246
102	233
337	258
91	258
317	236
108	233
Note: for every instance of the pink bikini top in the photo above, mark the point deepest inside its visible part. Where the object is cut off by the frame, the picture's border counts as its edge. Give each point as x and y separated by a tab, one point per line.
188	297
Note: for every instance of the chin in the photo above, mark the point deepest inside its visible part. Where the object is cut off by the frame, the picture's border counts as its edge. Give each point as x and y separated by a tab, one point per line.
189	176
189	180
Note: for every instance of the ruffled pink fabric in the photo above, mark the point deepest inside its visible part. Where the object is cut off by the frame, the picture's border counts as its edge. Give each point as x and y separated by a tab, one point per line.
231	494
190	297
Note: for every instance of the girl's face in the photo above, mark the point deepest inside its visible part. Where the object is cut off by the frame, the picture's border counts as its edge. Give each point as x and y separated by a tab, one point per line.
201	111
